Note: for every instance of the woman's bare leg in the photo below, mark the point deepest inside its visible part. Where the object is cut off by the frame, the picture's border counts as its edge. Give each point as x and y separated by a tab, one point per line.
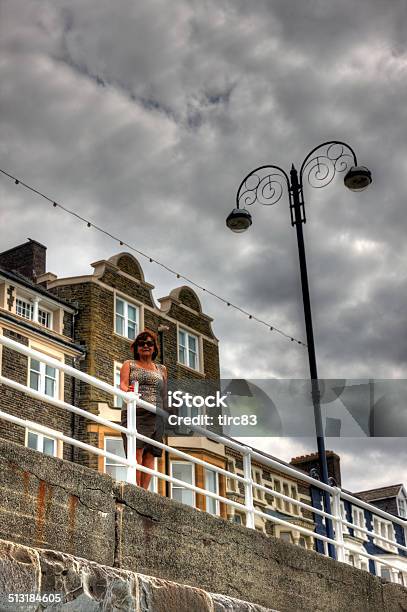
148	461
139	457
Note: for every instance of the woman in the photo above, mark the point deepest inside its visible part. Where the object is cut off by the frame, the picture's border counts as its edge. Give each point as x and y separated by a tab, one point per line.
152	381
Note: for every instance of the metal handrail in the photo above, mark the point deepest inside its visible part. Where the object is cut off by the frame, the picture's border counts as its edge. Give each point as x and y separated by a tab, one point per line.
248	454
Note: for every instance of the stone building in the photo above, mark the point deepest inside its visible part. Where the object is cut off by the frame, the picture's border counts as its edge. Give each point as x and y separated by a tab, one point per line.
34	317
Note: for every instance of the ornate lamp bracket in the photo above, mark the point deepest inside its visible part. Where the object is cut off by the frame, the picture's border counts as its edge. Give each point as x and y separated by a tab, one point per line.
322	163
264	185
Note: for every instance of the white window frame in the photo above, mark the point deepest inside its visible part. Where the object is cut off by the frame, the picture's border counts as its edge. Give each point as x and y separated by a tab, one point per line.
345	528
287	506
26	305
257	477
208	500
32	305
378	524
106	460
232	485
125	316
402	506
58	444
359	519
50	318
42	376
189	334
176	486
278	486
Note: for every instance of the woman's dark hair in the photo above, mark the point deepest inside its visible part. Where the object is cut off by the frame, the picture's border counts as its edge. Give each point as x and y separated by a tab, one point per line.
142	336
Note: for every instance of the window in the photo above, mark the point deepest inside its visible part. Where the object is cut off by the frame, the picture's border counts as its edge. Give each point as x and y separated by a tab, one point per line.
278	500
286	536
231	483
286	491
188	349
185	472
237	519
295	509
116	469
257	493
44	317
351	559
385	573
358	518
212	485
42	443
127	319
345	528
385	529
43	378
24	309
117	402
402	505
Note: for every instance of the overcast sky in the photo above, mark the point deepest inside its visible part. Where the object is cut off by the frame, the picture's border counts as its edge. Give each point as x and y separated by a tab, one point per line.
144	117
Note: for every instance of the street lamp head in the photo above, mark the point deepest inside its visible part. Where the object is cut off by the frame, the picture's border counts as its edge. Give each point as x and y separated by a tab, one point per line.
358	178
239	220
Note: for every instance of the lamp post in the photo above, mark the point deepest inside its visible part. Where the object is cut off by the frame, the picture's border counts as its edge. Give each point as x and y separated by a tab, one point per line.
265	186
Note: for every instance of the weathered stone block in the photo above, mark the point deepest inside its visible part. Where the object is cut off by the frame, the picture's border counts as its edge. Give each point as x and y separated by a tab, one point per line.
51	503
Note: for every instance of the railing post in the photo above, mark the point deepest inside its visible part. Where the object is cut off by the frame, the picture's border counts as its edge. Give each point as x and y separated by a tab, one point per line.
248	489
132	437
336	507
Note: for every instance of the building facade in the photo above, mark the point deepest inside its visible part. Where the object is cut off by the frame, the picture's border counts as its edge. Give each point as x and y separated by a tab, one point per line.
389	499
34	317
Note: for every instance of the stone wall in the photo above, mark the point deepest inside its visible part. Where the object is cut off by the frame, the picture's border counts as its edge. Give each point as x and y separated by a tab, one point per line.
86	586
56	505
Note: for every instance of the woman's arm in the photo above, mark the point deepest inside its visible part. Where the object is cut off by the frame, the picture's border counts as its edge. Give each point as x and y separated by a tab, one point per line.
125	376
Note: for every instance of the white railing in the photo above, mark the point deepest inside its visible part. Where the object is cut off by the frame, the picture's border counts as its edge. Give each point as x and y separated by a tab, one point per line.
248	454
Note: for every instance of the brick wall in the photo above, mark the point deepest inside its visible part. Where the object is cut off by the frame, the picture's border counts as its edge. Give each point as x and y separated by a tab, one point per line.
15	366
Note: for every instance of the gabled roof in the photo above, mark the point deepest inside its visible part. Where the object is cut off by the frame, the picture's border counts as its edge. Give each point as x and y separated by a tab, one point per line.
381	493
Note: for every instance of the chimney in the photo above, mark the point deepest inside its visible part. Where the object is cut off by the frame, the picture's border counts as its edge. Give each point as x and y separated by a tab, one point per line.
29	259
308	462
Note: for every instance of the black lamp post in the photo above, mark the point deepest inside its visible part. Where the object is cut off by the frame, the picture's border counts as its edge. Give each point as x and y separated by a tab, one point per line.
265	185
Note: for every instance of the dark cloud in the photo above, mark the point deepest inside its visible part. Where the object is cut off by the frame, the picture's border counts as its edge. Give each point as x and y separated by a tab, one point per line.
146	117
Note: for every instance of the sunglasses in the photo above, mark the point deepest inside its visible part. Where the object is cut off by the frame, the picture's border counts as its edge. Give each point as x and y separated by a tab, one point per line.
148	343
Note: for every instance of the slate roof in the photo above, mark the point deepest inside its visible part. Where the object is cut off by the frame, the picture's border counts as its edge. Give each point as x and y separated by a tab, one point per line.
376	494
23	280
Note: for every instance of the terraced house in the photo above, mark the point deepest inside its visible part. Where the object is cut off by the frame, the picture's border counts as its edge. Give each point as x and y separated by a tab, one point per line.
36	318
392	500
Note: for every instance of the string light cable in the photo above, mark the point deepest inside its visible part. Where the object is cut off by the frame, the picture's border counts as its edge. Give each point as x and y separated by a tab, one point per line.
121	242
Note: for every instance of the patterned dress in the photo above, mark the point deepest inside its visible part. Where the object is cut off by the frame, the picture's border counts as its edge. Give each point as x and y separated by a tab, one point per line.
151	385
